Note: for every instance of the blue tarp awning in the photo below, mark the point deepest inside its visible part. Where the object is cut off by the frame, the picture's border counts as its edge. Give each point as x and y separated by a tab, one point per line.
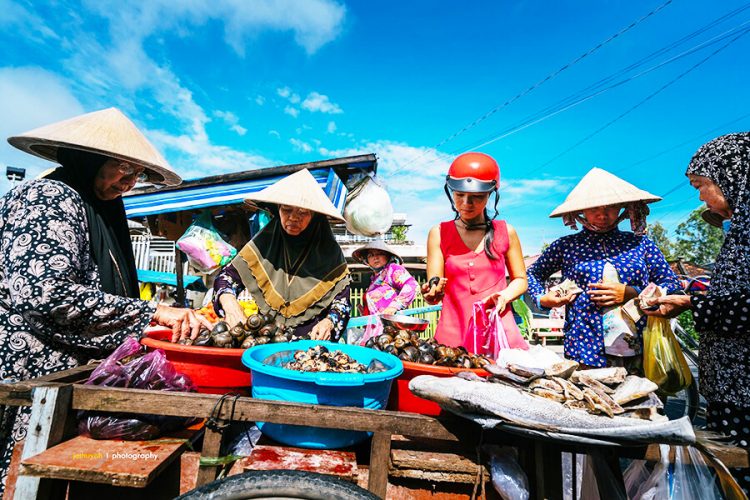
228	193
147	276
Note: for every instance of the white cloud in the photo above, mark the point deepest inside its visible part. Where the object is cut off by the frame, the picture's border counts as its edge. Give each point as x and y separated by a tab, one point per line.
315	102
118	70
260	100
300	145
287	94
31	97
331	127
231	119
274	133
197	157
313	22
292	111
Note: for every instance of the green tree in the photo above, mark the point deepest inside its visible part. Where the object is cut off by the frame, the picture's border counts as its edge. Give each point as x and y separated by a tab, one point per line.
698	241
659	235
398	234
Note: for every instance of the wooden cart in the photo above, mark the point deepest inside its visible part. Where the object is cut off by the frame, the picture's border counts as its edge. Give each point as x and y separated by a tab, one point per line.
56	398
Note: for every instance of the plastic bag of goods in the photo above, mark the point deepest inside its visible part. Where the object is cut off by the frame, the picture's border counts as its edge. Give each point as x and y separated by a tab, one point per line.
128	367
368	210
205	248
508	478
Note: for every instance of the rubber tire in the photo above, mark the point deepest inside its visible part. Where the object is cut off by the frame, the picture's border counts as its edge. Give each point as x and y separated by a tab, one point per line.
279	484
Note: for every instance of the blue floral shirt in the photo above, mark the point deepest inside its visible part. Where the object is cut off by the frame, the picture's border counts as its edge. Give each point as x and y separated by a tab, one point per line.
581	258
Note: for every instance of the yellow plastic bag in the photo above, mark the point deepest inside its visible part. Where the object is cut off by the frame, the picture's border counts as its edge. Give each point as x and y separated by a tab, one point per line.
663	361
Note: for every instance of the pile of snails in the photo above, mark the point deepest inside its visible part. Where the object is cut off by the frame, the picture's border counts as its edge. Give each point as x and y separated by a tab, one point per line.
409	347
320	359
258	329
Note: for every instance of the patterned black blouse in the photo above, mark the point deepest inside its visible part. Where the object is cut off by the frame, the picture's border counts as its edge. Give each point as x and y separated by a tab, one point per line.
53	313
724	326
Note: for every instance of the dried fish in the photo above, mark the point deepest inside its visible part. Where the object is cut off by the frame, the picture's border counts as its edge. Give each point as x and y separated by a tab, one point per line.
650	401
611	376
563	369
581	378
633	388
470	376
570	390
596	403
545	383
547	394
526	372
505	374
521	408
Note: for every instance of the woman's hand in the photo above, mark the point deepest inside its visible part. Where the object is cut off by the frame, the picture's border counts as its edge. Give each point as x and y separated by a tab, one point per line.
233	312
669	306
610	294
496	300
552	299
322	331
183	322
434	293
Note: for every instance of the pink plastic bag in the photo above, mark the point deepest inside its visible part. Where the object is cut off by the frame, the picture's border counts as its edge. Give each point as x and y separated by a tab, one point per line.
488	336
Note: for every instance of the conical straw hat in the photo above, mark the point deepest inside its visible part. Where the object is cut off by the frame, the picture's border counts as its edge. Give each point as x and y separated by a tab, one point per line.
599	188
360	254
107	132
299	189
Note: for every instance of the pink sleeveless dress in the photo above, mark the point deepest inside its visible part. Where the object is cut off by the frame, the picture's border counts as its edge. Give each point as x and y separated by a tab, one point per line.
471	277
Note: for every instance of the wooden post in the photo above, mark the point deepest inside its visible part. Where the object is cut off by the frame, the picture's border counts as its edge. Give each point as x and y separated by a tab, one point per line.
211	449
50	414
380	457
178	274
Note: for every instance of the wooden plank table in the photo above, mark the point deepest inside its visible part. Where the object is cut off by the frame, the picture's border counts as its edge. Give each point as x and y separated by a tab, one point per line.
538	457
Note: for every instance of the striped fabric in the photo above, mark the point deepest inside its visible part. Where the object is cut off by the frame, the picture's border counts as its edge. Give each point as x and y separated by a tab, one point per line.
231	193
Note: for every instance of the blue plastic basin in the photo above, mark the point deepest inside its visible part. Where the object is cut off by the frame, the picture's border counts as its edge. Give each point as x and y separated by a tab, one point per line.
361	390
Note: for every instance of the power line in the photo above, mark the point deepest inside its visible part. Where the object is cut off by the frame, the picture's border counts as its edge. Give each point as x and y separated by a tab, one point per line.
541	82
647	98
533	121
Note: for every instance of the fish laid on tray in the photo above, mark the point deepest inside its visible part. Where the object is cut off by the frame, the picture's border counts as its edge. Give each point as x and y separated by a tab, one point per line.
520	406
605	391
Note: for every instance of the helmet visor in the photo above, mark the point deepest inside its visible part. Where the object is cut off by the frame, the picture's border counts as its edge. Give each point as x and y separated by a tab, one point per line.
470	185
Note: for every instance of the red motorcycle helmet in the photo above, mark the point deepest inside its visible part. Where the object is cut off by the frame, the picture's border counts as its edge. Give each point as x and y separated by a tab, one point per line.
473	173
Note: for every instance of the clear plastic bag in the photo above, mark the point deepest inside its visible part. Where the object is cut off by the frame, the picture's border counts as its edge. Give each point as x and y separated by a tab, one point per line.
634	476
508	478
205	248
368	210
126	367
683	480
663	361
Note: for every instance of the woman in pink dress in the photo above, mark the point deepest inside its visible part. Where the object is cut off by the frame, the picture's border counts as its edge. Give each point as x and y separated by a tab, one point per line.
467	257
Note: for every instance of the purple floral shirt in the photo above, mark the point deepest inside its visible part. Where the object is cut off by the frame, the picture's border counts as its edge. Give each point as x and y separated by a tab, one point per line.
393	286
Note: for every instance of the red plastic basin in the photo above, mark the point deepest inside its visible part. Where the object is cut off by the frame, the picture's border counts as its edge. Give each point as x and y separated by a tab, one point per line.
403	399
214	370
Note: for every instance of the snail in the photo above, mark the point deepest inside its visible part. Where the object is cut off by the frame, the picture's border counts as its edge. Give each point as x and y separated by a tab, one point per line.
248	342
412	353
278	338
238	334
266	331
185	341
222	339
254	322
221	326
384	340
204	340
263	339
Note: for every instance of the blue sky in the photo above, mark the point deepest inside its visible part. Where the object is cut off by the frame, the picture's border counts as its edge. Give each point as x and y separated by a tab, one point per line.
231	85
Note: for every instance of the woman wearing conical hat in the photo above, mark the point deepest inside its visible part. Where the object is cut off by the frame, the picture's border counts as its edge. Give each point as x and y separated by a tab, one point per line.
293	268
610	266
392	288
68	285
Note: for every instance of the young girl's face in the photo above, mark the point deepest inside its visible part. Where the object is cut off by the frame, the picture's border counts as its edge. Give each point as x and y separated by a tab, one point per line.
376	258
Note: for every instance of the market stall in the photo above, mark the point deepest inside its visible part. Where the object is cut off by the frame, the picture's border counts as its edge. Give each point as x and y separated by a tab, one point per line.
169	211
